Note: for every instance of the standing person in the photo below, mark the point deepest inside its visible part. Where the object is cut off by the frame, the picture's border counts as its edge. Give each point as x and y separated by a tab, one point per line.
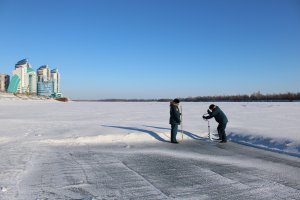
221	118
174	119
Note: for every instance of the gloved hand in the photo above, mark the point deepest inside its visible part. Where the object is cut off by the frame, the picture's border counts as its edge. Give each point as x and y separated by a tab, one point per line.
208	111
204	117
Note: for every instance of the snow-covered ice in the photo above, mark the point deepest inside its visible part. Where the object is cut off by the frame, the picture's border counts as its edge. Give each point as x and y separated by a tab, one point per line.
55	150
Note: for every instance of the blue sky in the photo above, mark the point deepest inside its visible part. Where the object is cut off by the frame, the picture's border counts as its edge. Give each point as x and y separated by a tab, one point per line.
156	48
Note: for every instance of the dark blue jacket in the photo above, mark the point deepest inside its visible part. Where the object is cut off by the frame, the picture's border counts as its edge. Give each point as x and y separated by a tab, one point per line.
174	114
218	114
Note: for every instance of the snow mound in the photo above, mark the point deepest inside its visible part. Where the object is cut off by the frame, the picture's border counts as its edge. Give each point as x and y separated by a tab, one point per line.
4	139
282	145
100	139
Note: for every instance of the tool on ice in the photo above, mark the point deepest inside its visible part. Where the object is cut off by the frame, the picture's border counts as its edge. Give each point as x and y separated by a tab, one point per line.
208	126
181	124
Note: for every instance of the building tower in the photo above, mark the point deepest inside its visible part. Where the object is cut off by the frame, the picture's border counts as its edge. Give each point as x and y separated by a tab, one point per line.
43	73
55	77
48	82
23	79
44	84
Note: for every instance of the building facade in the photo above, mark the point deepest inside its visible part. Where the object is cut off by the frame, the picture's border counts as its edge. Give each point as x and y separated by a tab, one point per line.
23	79
48	82
45	88
43	73
55	77
4	82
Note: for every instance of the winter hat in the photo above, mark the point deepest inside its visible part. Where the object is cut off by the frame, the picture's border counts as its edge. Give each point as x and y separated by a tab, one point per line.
176	101
212	106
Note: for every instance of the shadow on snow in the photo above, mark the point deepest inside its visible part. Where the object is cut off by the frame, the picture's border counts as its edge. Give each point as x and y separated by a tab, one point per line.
151	133
189	134
248	140
285	146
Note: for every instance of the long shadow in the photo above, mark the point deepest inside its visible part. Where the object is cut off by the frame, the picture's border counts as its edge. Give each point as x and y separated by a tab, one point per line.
265	143
151	133
189	134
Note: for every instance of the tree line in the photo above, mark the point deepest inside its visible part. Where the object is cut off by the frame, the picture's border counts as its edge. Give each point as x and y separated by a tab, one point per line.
257	96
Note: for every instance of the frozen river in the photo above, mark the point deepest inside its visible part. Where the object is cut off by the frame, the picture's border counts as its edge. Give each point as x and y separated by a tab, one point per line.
53	150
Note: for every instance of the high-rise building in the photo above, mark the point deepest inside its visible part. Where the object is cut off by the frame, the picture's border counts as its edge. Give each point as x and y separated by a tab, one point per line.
45	88
48	82
55	77
43	73
4	82
23	79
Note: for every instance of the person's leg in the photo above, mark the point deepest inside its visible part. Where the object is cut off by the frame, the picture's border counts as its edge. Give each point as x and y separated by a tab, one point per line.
174	129
219	132
222	132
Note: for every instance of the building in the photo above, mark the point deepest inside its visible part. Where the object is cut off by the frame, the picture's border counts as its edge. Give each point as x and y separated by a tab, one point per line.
48	82
45	88
55	77
43	73
23	79
4	82
43	82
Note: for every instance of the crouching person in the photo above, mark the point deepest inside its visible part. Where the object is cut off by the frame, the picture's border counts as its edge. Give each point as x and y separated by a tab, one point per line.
174	119
221	118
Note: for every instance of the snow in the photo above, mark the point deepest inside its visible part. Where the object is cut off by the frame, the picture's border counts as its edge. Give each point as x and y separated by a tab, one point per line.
56	150
269	125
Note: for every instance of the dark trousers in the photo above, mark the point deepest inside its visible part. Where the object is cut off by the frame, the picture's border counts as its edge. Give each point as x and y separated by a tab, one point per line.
174	129
221	131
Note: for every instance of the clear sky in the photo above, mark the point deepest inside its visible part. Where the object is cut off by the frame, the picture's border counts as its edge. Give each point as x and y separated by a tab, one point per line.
156	48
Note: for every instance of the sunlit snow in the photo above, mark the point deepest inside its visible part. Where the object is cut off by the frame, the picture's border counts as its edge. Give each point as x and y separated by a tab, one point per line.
55	150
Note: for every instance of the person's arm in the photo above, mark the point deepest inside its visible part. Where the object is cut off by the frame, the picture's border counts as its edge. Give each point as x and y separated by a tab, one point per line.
211	114
207	116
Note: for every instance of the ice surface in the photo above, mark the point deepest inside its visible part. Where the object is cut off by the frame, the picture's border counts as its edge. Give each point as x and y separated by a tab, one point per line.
55	150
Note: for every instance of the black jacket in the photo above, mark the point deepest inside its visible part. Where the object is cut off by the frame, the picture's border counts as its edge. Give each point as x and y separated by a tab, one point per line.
218	114
174	114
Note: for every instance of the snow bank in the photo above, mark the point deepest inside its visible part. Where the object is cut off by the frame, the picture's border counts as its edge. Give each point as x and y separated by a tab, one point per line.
4	139
282	145
100	139
268	125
